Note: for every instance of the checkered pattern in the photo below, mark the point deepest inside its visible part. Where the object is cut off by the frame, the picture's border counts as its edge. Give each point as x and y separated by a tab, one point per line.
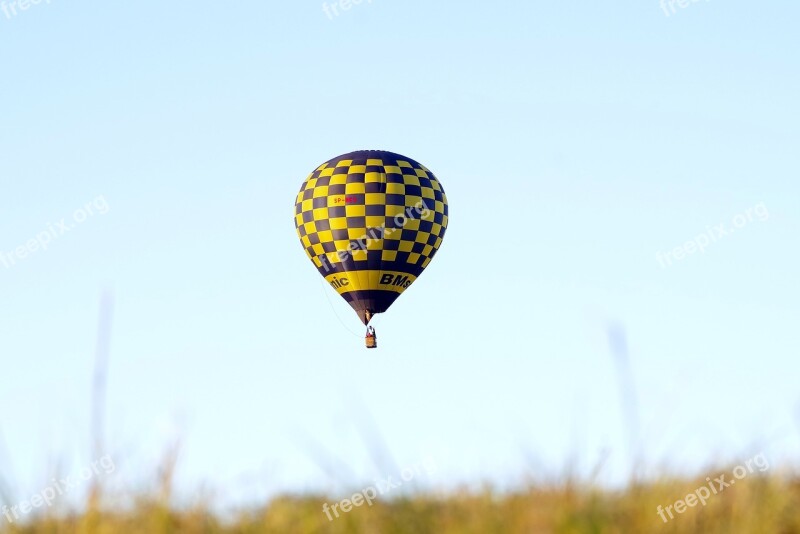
371	197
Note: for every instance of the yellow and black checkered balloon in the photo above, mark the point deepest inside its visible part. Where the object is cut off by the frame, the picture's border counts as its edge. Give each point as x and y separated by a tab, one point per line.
371	221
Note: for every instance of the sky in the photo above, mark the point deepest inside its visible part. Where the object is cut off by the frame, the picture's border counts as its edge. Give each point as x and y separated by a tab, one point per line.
617	284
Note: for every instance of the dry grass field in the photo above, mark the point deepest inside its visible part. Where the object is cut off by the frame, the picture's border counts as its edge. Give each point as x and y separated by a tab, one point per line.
760	503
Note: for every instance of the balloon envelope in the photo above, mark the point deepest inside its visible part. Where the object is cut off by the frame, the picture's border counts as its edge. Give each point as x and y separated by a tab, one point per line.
371	221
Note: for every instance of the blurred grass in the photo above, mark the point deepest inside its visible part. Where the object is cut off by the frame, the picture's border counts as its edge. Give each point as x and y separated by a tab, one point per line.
763	502
758	504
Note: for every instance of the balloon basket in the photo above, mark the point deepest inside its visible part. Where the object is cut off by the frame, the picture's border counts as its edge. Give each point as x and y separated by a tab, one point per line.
371	342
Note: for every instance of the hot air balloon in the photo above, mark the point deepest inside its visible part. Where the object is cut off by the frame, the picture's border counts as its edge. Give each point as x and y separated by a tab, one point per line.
371	221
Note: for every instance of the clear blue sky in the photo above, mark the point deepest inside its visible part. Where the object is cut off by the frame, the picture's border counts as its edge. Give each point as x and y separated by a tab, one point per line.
575	141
